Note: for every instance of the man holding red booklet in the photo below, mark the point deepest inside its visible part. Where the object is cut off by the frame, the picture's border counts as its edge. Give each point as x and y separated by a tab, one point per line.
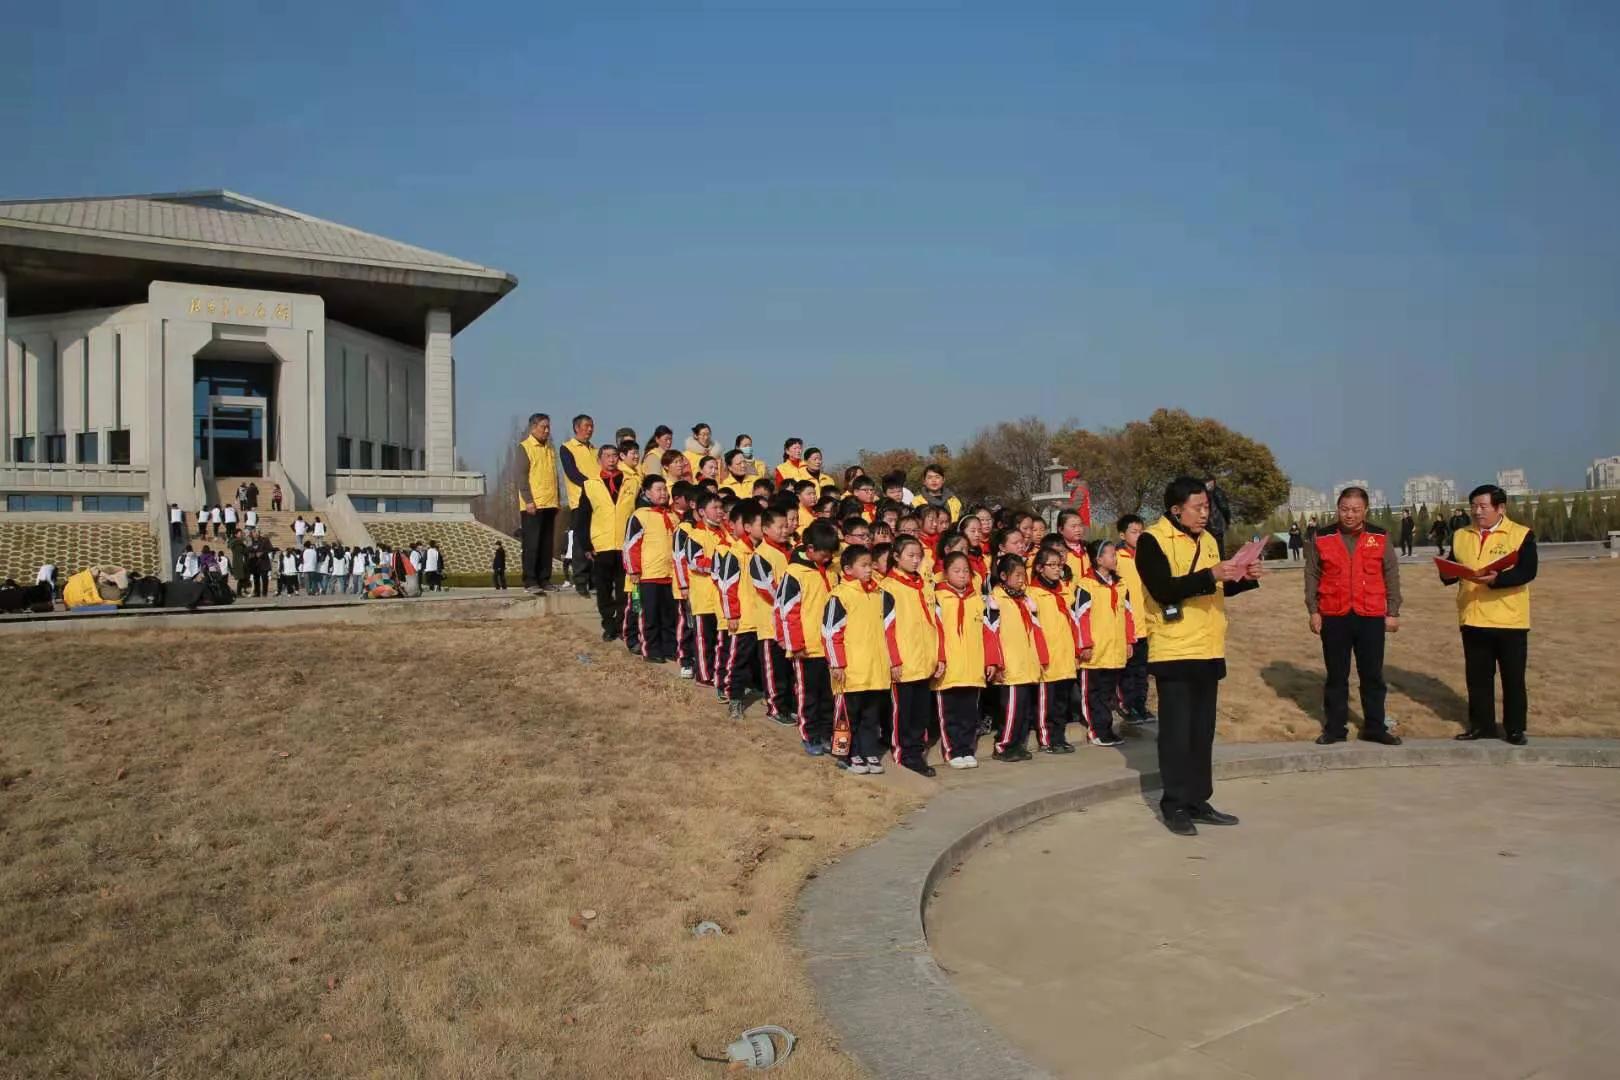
1492	563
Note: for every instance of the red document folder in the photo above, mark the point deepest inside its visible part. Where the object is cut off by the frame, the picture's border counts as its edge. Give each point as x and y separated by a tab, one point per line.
1458	570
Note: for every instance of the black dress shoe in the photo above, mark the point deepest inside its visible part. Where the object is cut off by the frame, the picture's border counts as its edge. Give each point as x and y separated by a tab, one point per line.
1516	738
1208	815
1328	739
923	770
608	635
1180	823
1470	736
1388	738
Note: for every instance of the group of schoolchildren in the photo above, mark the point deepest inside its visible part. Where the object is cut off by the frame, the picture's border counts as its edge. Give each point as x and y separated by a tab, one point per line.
875	620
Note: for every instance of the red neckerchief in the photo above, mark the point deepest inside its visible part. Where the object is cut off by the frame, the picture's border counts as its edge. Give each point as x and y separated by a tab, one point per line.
961	606
869	516
1127	553
976	561
671	519
1078	552
867	586
1023	609
613	481
1113	588
783	548
915	581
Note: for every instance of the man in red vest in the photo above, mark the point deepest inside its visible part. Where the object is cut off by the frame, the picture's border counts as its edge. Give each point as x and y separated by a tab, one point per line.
1353	593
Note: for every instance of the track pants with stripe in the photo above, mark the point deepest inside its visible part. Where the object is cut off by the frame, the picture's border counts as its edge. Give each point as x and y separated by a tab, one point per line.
858	717
1099	689
685	634
1019	704
776	675
630	630
705	634
815	699
1054	708
957	710
657	619
913	710
742	664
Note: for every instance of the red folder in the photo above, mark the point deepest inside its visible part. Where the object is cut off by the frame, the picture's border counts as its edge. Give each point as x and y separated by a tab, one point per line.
1451	569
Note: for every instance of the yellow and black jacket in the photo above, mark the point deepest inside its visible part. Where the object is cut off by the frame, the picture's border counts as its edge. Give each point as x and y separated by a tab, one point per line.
1133	589
801	604
649	545
540	483
917	633
1019	637
769	563
858	634
703	547
1504	604
579	465
1055	610
945	501
612	499
970	644
1176	568
1103	615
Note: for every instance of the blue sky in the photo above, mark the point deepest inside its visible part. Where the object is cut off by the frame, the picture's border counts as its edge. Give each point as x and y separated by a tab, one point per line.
1384	240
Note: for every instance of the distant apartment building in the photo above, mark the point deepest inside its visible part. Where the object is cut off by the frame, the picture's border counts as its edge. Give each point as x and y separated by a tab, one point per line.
1375	496
1604	473
1306	500
1513	482
1429	490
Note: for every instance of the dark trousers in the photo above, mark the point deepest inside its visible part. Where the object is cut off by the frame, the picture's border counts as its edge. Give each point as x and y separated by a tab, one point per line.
1363	636
581	571
177	534
657	620
912	706
607	577
630	623
1133	682
202	529
858	721
777	675
742	664
705	633
815	698
1406	545
1099	690
957	710
1487	650
722	658
497	579
1054	708
1018	706
537	530
1187	738
261	583
685	633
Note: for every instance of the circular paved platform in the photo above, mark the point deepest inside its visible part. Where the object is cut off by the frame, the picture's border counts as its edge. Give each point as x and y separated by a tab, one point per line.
1370	923
1529	957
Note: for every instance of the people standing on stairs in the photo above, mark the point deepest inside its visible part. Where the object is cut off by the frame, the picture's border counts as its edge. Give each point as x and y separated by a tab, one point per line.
216	520
230	522
202	522
252	495
319	529
275	498
308	563
252	522
177	525
241	497
239	564
286	572
300	529
260	565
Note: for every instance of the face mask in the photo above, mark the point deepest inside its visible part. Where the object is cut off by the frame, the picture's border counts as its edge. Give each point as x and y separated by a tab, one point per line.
747	452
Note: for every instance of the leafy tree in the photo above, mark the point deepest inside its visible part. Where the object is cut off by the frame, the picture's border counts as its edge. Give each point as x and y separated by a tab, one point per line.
1552	519
1422	523
1021	451
880	463
1581	525
976	476
1117	465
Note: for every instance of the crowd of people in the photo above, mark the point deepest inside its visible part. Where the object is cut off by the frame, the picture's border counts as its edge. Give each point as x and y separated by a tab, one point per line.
251	563
881	621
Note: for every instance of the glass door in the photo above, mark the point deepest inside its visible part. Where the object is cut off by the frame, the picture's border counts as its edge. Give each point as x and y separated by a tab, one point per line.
236	437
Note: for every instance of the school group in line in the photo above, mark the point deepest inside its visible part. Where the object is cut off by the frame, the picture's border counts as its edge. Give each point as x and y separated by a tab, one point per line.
875	620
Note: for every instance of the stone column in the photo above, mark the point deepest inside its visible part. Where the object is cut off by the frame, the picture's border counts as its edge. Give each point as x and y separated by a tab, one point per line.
439	394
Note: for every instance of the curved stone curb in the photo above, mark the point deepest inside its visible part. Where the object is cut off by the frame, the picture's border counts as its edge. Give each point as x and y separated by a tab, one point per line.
862	919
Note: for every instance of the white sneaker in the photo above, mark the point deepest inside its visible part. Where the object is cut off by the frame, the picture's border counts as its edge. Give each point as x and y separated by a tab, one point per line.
972	762
960	763
858	766
686	673
874	765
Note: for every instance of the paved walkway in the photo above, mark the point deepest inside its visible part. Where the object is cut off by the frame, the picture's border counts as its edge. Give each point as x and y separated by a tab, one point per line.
1372	923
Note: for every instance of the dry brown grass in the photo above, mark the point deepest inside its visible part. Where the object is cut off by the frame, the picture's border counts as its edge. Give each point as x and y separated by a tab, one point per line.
380	834
380	838
1273	688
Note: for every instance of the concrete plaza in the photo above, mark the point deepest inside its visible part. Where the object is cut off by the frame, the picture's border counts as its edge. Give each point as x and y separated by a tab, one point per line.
1361	923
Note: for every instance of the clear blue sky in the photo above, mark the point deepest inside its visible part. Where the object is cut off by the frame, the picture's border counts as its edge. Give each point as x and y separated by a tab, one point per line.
1384	240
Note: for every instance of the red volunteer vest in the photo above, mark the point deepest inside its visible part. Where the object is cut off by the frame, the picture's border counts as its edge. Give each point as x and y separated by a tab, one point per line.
1352	583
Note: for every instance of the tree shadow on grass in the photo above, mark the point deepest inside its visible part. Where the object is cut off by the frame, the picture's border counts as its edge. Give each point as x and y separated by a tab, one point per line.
1427	690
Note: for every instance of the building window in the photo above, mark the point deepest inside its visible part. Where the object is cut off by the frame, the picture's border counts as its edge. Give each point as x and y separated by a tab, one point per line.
113	504
22	449
366	456
407	458
118	447
390	457
365	504
55	449
345	452
50	503
410	506
84	448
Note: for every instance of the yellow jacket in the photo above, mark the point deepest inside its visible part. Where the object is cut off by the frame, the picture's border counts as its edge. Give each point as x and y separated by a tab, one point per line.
1200	633
1019	637
610	517
582	457
743	489
540	487
917	633
1105	620
801	604
1506	608
80	591
768	580
649	544
970	645
747	591
857	632
1062	636
1133	589
787	470
953	505
703	548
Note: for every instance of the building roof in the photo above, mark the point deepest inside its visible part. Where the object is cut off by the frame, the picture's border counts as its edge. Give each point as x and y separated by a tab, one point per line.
221	236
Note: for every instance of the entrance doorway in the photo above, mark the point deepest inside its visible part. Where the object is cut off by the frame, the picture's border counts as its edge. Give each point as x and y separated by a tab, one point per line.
233	404
238	444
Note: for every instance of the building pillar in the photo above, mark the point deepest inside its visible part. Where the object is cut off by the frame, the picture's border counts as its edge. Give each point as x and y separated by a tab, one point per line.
439	394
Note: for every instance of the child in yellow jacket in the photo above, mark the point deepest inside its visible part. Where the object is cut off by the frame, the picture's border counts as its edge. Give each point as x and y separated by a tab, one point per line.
1107	627
1022	645
1053	604
972	658
855	632
801	604
916	641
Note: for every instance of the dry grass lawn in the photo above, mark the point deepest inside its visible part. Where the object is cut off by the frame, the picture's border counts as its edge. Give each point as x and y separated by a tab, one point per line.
355	852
